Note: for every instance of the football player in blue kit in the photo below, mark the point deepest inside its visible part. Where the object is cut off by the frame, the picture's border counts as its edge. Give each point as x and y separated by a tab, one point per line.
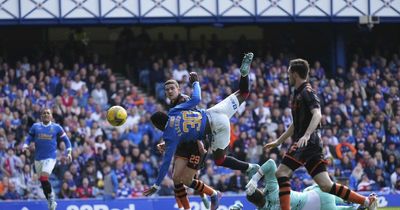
44	135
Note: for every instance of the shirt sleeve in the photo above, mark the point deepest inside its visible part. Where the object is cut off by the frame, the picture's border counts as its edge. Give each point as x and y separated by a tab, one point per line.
31	135
63	136
311	98
169	152
192	102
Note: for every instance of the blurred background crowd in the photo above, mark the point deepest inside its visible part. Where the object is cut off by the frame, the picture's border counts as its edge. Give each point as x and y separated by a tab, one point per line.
360	127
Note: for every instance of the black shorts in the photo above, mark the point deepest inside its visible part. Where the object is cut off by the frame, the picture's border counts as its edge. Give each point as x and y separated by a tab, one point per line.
190	151
310	156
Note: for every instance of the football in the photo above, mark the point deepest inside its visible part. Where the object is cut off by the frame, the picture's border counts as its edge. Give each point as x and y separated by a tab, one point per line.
116	115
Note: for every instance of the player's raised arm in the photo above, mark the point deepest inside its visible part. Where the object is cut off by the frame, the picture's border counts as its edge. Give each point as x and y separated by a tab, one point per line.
169	152
196	95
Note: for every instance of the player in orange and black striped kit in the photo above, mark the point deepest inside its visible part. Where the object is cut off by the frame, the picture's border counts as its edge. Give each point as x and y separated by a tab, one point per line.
307	146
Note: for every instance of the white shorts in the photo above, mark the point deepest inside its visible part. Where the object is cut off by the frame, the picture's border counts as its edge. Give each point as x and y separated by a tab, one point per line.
313	201
46	165
219	118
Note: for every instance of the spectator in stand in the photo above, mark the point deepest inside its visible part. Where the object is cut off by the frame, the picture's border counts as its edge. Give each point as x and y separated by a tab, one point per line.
99	95
166	188
66	192
11	164
11	193
222	184
391	150
34	189
395	178
344	147
391	164
110	183
4	185
381	179
124	190
237	182
85	190
181	73
365	184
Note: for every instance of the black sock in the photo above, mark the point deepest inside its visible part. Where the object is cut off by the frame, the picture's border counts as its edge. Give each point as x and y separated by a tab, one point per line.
244	87
235	164
46	188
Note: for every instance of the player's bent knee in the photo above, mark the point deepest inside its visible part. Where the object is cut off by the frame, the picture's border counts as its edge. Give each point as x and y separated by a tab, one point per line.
219	160
176	178
187	182
244	95
219	157
280	173
325	187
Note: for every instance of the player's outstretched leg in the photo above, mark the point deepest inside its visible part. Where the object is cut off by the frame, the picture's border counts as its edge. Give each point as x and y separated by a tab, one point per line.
244	87
341	191
345	193
221	159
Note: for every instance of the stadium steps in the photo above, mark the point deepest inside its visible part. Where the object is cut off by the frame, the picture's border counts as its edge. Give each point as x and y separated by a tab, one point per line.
120	78
120	81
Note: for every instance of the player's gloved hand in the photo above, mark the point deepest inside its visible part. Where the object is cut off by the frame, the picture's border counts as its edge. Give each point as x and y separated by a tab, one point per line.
251	187
193	77
161	147
201	148
237	206
153	189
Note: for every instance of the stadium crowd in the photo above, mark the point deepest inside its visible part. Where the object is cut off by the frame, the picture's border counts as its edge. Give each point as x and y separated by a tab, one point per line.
360	128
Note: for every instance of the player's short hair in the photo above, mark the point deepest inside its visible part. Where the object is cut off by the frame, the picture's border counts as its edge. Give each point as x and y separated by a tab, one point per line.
159	120
257	198
44	109
171	81
300	66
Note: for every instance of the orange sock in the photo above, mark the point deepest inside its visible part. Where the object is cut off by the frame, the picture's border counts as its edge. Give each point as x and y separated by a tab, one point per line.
347	194
181	195
201	187
284	192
